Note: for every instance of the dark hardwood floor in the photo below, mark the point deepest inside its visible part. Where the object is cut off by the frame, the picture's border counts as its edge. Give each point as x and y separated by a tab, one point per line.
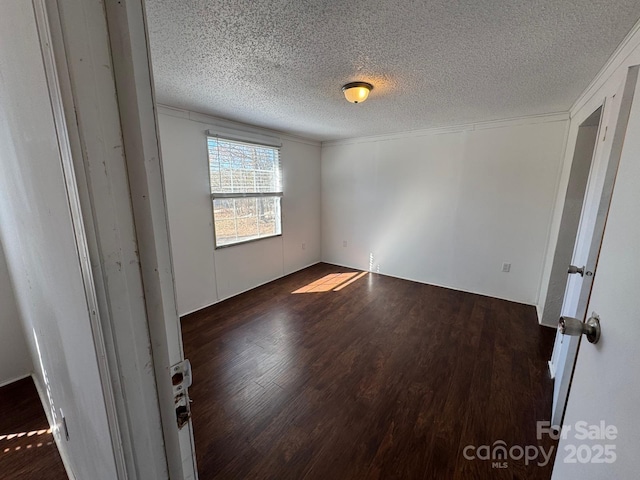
27	449
384	378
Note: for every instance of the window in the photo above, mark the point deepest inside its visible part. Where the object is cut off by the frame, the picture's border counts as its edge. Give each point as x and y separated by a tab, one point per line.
246	188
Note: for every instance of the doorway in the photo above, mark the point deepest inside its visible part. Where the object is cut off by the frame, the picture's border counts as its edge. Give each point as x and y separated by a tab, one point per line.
582	267
571	213
565	348
604	389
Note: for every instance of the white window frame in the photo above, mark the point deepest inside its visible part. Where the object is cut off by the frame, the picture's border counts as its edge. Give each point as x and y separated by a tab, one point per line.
258	140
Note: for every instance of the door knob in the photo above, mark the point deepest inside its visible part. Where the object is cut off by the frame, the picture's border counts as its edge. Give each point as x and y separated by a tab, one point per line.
575	328
574	269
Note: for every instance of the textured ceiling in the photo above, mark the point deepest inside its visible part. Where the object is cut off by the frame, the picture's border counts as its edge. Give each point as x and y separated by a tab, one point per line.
281	64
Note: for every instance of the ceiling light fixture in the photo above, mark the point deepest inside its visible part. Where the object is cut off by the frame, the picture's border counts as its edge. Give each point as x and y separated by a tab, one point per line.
357	92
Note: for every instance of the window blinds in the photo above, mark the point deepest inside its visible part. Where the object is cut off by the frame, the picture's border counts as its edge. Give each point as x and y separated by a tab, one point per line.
238	169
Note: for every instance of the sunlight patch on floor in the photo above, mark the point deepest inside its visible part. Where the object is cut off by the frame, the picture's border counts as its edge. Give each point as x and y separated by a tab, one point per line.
333	281
11	436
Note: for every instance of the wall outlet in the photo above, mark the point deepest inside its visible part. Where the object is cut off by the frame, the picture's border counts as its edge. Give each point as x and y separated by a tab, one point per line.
304	246
506	267
344	243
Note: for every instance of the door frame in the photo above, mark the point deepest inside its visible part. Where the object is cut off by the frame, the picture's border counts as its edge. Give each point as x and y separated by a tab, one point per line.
565	349
570	219
604	391
601	187
131	56
99	53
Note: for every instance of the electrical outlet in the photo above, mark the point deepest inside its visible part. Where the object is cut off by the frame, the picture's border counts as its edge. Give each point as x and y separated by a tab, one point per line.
344	243
304	246
506	267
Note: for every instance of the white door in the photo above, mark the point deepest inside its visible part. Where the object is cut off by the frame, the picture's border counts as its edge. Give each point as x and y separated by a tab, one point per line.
42	232
101	57
605	392
589	238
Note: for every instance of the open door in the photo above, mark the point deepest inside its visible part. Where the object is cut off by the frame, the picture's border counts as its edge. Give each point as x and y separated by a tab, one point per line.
583	268
558	296
96	54
605	392
45	245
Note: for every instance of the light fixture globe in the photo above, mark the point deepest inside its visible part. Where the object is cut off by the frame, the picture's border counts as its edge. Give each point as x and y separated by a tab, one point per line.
357	92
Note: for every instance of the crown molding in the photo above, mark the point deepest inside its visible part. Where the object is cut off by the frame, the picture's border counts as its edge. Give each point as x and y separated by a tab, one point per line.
214	122
508	122
629	44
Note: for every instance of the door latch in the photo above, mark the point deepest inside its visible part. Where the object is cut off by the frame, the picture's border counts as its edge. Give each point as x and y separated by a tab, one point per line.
181	380
573	269
181	377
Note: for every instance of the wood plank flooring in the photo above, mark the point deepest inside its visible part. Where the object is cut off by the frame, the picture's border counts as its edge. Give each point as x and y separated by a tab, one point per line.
381	379
27	449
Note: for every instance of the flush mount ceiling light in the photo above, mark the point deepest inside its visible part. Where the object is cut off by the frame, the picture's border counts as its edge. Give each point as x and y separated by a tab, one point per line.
357	92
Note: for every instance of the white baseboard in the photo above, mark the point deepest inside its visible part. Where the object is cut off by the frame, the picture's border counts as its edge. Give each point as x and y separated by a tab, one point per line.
440	285
248	289
8	382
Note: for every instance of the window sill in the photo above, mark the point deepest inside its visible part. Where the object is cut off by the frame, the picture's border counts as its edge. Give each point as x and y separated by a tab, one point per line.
243	242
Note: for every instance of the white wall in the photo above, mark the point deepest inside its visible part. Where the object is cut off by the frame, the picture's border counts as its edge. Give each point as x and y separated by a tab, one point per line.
41	254
15	362
446	207
204	275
